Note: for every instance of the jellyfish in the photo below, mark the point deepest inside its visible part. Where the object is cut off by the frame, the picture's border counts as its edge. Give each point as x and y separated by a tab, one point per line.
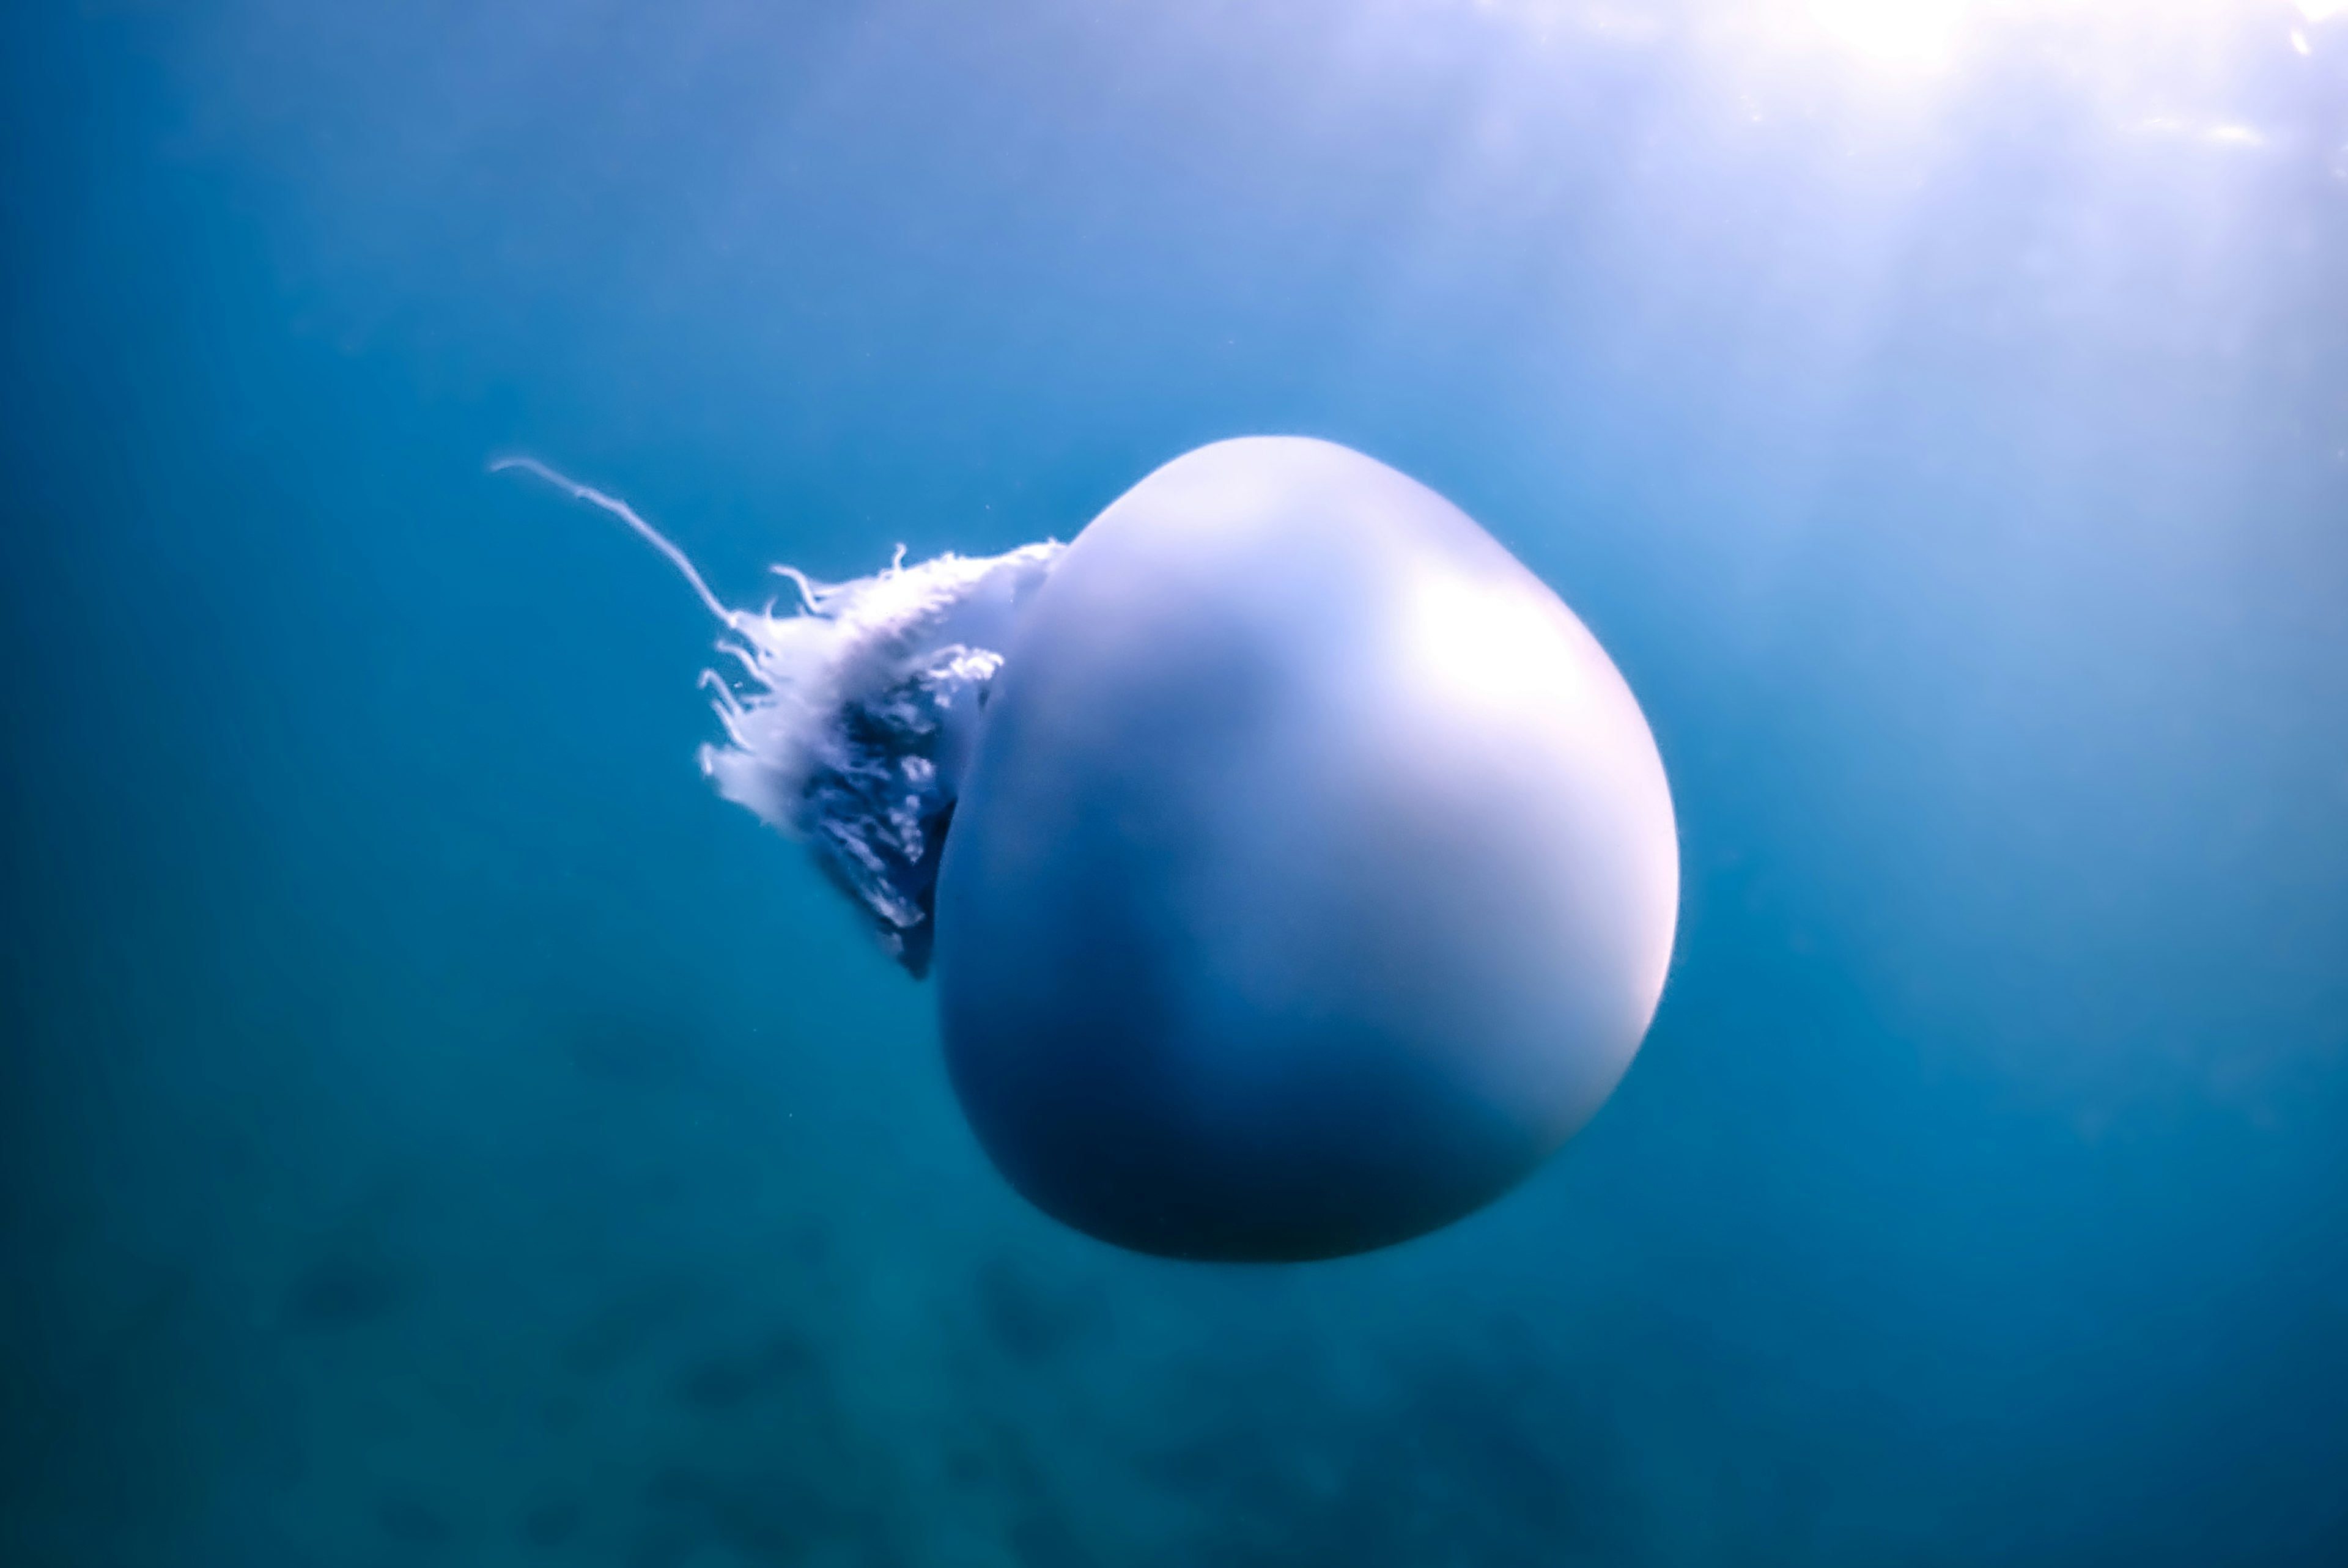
1297	873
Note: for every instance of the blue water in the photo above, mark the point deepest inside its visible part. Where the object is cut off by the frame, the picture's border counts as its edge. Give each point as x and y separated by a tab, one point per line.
435	1129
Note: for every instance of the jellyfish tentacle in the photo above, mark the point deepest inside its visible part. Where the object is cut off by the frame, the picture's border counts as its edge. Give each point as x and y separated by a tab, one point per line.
811	593
848	722
627	513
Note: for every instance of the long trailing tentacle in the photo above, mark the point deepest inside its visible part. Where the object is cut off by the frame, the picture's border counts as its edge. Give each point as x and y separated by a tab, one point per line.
730	618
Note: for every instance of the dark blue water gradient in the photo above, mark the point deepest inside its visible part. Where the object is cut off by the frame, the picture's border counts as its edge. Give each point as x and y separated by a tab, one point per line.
433	1128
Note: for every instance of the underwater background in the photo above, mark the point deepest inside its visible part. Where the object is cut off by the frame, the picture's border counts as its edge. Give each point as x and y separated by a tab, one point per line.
435	1129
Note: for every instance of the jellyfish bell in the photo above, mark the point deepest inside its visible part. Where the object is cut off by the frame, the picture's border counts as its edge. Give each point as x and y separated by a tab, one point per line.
1300	872
1314	876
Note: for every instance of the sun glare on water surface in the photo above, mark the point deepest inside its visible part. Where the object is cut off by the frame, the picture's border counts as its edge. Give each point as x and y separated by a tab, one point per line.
1910	30
1928	32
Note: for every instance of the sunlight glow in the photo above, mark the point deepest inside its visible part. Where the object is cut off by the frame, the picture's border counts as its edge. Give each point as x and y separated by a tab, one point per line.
1914	31
1930	33
1908	39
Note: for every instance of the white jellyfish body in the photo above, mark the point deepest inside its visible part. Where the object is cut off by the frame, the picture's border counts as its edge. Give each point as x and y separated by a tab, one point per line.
1309	872
1315	874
